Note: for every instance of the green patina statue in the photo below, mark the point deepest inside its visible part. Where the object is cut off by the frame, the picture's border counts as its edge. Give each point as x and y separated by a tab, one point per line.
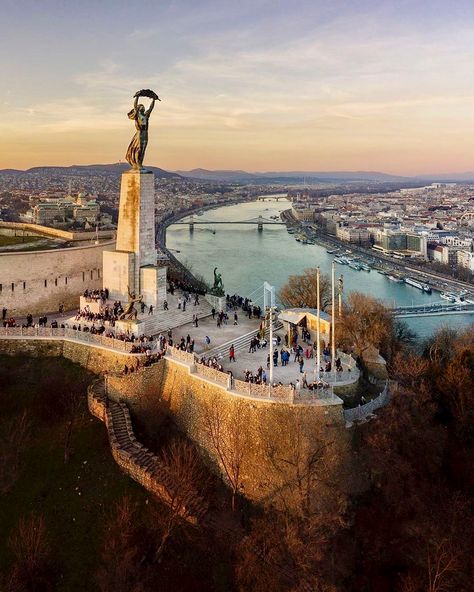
137	147
218	287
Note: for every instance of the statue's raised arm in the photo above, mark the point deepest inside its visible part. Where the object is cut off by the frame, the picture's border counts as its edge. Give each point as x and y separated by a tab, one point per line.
150	108
137	147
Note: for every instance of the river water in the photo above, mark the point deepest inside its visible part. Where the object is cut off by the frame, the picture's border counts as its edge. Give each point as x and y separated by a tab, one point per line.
246	258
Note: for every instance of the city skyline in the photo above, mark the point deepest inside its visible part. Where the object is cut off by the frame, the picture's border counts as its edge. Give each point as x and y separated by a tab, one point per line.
259	86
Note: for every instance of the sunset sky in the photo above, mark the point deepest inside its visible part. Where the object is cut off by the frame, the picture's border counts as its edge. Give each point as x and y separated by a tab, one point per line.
259	85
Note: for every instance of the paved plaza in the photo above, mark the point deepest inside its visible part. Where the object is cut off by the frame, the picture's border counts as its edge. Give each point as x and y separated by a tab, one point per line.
219	336
251	361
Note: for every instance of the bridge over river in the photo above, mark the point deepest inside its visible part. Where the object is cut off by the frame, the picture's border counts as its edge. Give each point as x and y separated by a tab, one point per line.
433	309
260	222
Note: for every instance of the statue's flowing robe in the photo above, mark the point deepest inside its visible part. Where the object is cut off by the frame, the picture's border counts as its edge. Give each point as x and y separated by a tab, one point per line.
134	154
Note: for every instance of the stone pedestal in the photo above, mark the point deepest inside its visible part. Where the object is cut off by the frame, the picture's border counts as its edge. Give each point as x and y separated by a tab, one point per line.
217	302
133	265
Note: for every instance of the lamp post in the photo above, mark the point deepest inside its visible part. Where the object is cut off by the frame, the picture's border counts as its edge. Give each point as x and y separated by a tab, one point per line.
270	319
318	334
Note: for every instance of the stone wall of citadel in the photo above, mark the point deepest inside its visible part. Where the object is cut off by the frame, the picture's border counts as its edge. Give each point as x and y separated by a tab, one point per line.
272	430
96	359
28	229
39	281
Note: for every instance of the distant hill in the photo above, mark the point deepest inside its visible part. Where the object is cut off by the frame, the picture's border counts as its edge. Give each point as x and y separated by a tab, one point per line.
238	176
86	170
225	175
446	177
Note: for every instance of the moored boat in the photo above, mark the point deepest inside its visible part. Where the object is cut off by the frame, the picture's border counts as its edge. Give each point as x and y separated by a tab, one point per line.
416	284
396	279
449	296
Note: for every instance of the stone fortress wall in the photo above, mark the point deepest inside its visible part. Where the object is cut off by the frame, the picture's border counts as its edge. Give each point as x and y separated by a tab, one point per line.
272	431
27	229
39	281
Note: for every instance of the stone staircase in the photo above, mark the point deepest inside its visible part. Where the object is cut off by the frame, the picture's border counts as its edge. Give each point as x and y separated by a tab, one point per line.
162	320
147	469
240	343
137	460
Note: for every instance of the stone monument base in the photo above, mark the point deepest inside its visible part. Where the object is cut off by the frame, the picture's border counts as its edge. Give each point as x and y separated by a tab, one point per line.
144	324
132	267
217	302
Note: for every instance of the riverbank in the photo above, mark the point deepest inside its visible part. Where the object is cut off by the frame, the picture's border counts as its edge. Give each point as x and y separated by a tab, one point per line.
247	258
436	281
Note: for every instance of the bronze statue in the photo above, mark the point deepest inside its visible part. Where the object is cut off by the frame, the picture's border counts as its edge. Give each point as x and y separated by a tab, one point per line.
218	287
130	311
137	147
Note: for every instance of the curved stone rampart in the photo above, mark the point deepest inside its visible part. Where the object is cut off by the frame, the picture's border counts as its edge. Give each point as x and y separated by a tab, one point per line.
171	388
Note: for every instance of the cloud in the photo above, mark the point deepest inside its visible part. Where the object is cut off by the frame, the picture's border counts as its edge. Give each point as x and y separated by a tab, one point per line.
267	76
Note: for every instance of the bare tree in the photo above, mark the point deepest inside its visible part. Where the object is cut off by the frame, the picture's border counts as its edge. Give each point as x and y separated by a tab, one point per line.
121	569
300	290
229	436
188	485
12	444
309	461
365	322
32	564
408	370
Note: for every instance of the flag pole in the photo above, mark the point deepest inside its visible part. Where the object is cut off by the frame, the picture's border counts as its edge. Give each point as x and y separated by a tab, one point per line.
333	319
318	330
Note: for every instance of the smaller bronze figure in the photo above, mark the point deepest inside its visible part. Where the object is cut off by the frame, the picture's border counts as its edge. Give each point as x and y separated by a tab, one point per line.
218	287
137	147
130	311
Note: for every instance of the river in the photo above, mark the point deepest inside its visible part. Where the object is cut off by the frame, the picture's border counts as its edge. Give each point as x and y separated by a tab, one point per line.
246	258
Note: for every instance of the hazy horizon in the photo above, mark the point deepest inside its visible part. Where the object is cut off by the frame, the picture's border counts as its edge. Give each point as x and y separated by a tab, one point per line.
256	86
255	172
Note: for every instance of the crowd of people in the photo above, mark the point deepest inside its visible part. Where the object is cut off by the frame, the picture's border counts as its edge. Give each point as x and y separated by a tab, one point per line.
108	313
150	358
212	362
96	295
234	302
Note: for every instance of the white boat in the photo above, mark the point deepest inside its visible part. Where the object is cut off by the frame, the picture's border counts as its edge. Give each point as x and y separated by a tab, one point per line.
364	266
448	296
394	278
416	284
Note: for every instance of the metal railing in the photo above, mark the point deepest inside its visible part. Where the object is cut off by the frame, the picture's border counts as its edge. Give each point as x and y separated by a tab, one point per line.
67	333
362	411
